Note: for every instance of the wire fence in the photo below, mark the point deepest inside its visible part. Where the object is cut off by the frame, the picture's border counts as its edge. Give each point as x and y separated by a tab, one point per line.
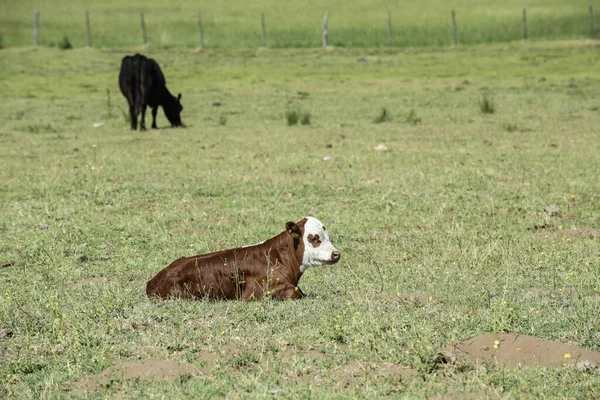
180	33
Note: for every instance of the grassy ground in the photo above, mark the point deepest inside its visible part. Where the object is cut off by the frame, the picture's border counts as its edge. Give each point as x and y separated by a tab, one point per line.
236	24
453	208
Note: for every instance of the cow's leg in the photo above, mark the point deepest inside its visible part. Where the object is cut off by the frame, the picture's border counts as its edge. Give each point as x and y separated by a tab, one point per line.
129	94
133	116
288	292
143	119
154	111
252	291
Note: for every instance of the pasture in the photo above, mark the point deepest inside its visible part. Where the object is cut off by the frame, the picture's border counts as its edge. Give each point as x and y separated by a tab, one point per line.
441	212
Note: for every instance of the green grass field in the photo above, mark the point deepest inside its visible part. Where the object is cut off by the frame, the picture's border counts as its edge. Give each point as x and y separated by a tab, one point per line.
451	206
236	24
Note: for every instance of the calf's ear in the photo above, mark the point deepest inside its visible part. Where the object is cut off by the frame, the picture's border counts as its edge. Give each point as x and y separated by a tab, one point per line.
293	229
179	97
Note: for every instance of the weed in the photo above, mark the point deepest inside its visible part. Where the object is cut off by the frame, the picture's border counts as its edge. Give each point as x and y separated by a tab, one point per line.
510	127
486	104
384	116
64	44
222	119
292	117
302	95
305	118
412	118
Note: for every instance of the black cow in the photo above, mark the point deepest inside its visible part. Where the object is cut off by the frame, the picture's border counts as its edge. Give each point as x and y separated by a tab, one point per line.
143	84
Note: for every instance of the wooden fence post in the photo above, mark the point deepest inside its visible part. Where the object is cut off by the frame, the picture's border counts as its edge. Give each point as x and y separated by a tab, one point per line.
454	30
525	23
592	30
143	28
264	29
201	31
389	28
325	33
36	32
88	28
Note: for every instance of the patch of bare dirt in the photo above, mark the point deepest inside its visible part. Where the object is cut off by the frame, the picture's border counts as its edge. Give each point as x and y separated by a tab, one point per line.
513	350
353	369
396	370
414	299
149	370
314	354
577	233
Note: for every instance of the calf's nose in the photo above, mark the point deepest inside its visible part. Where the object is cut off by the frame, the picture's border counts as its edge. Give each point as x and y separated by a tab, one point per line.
335	255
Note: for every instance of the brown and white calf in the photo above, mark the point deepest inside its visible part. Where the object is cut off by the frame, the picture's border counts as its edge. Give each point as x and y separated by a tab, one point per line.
270	268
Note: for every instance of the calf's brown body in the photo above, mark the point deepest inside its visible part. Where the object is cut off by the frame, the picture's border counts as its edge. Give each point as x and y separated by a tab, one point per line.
244	273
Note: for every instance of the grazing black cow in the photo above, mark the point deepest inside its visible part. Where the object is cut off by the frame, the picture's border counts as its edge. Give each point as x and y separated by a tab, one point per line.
143	84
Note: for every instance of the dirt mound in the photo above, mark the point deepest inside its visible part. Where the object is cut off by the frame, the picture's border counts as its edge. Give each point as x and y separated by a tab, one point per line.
514	350
145	370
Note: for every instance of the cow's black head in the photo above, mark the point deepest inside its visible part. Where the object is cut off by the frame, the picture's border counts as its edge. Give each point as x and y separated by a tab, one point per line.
173	109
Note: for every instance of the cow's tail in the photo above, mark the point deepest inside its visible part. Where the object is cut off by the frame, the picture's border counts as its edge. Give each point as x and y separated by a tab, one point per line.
137	83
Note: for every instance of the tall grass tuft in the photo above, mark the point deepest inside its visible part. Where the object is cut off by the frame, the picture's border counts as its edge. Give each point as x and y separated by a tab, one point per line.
292	117
305	118
486	104
413	118
65	44
383	116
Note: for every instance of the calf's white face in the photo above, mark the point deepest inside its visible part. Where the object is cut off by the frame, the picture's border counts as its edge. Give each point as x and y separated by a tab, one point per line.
318	249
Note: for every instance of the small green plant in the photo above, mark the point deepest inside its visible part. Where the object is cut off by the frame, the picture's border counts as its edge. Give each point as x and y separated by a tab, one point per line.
510	127
65	44
302	94
222	119
305	118
384	116
413	118
486	104
292	117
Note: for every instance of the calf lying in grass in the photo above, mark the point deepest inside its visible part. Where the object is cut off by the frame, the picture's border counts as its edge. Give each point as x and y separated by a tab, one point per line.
271	268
